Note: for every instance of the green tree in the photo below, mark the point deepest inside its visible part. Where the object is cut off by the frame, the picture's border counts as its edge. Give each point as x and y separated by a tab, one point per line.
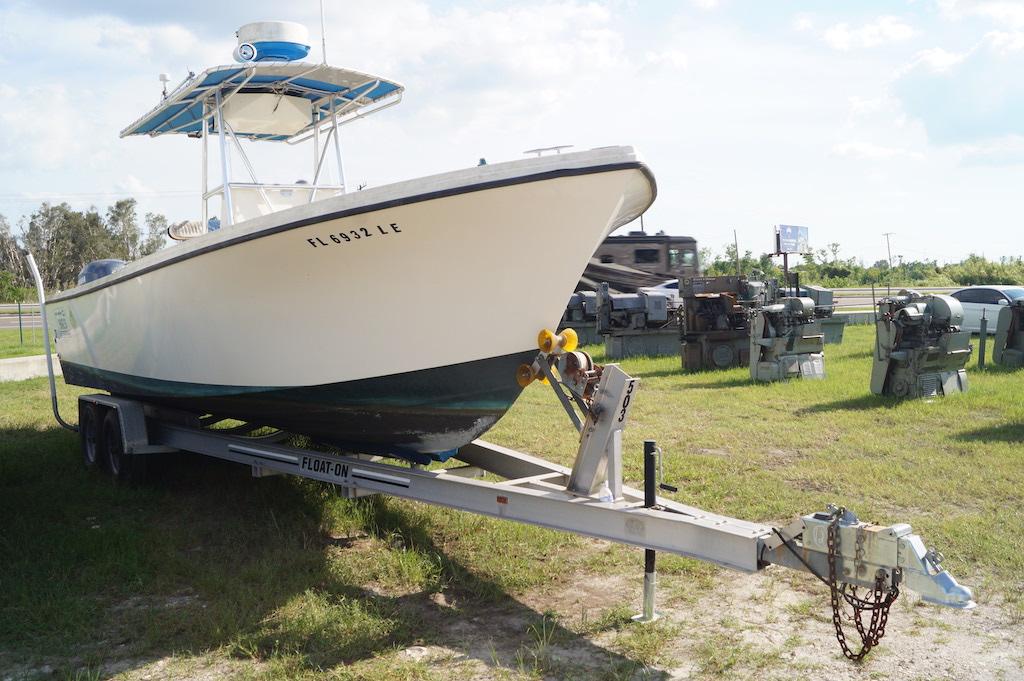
11	260
123	226
156	233
64	240
9	293
725	265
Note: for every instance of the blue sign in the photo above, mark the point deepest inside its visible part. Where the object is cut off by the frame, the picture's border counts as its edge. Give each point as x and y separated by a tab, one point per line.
793	239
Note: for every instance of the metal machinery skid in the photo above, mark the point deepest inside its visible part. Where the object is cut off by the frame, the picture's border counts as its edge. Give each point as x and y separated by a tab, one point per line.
641	324
714	321
920	350
786	341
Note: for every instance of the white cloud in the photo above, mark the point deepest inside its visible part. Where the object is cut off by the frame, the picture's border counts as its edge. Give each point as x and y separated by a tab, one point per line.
103	42
705	4
803	22
33	135
882	31
668	58
1006	42
966	97
934	60
872	152
130	184
860	106
1006	151
1005	12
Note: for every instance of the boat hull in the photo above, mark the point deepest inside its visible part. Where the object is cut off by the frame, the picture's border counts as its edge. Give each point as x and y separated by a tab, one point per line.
387	318
431	410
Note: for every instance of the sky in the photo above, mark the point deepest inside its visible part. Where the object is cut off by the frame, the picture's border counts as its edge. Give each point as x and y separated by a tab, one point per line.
853	119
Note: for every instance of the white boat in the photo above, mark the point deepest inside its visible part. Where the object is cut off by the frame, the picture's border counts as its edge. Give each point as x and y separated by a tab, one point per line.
391	319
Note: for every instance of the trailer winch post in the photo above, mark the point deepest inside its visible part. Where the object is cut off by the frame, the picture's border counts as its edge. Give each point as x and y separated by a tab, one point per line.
650	499
41	292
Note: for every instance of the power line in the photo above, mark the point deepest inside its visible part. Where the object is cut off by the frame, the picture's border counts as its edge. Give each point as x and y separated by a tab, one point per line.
90	195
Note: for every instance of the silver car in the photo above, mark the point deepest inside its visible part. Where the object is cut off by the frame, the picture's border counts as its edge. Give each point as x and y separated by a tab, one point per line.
985	299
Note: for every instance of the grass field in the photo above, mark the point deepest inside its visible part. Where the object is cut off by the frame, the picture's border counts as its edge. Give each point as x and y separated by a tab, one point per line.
11	344
208	573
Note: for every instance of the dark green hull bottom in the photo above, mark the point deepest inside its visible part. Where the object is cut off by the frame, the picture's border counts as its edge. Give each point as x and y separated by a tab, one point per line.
433	411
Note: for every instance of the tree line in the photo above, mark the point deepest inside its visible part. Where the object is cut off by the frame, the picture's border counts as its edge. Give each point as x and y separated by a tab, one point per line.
65	240
825	267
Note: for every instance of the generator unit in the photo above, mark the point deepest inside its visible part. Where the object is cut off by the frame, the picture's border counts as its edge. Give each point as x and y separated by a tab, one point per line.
1009	348
714	320
832	326
920	350
786	341
581	314
637	324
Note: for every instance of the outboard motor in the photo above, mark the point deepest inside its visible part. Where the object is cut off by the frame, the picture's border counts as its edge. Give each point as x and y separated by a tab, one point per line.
785	341
1009	348
715	320
637	324
98	269
920	350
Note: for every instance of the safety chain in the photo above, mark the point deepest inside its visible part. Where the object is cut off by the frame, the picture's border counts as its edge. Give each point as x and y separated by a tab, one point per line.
879	604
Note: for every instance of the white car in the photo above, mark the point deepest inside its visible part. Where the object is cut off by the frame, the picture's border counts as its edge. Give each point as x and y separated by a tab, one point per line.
670	285
988	299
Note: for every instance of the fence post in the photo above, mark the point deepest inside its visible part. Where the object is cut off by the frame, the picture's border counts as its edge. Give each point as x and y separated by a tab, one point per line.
21	330
982	339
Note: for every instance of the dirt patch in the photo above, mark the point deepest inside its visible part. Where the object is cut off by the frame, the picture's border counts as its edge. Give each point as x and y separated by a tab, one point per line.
774	459
772	625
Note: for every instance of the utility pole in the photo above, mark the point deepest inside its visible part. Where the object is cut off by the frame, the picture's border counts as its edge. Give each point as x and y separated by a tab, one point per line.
888	247
736	245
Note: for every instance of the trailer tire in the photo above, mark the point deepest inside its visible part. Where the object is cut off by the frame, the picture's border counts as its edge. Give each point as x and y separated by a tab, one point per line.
122	466
90	435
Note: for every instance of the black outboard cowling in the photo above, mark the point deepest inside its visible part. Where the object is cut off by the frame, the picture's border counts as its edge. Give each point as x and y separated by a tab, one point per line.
99	268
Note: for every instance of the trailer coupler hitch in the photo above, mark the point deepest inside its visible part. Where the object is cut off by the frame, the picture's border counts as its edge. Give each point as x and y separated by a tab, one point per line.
845	554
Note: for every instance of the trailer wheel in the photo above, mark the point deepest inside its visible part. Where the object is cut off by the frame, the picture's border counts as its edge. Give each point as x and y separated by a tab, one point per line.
89	434
120	465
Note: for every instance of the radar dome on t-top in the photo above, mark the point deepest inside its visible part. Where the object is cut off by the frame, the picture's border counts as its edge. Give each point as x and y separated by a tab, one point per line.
272	41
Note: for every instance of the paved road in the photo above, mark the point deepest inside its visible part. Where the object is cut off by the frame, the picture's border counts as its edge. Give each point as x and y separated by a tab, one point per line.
10	321
861	297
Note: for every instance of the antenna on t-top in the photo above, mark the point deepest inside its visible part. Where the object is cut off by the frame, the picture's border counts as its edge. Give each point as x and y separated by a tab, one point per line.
164	78
323	32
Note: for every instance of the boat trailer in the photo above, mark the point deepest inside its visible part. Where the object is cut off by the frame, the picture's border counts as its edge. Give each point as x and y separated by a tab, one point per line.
590	498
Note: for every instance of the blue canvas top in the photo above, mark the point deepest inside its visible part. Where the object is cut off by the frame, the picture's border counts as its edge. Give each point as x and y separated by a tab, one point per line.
349	91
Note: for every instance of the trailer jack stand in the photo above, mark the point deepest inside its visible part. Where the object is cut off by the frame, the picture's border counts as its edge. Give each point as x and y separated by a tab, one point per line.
650	555
648	614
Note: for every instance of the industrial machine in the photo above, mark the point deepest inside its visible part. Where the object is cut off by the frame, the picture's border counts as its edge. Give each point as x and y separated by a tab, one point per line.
1009	348
920	350
786	341
715	320
638	324
581	315
832	326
